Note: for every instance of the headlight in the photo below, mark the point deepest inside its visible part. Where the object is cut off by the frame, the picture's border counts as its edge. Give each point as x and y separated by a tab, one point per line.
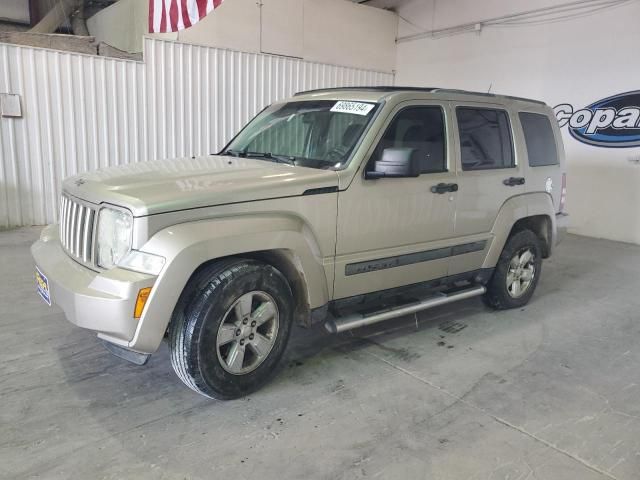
114	236
142	262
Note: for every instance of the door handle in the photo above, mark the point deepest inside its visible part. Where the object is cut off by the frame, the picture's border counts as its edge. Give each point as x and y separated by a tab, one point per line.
513	181
444	188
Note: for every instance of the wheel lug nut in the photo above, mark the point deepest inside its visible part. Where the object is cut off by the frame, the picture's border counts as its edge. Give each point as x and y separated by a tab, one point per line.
253	324
242	342
251	337
238	332
245	321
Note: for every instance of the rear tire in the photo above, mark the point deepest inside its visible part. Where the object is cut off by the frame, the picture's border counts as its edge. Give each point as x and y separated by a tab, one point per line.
517	273
230	328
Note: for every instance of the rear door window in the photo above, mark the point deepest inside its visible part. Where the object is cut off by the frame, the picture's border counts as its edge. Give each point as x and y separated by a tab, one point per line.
538	136
485	138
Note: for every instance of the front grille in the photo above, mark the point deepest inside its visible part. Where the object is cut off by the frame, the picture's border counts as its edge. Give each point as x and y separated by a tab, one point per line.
76	229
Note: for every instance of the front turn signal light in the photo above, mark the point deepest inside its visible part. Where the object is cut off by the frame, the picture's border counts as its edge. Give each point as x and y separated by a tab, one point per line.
141	301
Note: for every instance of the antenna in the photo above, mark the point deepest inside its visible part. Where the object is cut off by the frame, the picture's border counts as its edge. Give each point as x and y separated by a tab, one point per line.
490	85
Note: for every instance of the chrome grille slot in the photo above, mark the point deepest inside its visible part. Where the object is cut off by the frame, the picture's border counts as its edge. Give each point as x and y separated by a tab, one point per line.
76	229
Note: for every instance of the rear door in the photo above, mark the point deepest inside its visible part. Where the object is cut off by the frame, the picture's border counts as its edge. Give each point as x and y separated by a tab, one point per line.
489	173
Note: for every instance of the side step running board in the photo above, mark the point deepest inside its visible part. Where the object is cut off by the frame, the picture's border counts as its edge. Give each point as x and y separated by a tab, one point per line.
358	320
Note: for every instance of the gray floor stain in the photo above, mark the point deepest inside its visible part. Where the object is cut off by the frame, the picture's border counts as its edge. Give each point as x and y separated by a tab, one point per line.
452	326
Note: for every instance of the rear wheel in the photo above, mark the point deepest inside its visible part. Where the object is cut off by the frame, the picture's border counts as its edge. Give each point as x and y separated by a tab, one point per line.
231	328
517	272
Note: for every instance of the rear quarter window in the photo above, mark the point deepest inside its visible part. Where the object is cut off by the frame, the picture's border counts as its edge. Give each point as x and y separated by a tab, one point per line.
538	135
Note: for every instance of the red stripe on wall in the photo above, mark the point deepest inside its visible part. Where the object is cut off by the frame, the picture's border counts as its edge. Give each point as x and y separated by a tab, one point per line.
202	8
173	16
216	3
163	18
151	5
185	14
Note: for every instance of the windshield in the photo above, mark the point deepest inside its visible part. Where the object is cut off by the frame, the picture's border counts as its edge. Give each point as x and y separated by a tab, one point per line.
317	134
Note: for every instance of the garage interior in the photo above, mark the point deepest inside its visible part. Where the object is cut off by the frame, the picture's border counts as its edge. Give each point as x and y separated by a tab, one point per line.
549	391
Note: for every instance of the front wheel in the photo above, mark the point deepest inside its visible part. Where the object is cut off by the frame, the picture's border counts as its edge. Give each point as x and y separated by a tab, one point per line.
517	272
231	328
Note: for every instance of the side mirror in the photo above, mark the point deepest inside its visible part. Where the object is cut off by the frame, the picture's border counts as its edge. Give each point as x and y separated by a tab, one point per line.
396	162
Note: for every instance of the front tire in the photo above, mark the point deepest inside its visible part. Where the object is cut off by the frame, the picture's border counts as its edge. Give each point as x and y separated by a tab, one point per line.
231	327
517	272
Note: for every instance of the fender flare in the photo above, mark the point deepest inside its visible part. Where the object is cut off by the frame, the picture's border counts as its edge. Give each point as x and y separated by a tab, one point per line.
514	209
187	246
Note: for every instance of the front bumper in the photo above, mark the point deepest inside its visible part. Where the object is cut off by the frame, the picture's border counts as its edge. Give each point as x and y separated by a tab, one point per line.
100	301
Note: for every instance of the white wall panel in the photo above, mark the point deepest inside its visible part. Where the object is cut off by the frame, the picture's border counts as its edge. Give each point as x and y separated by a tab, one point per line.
555	61
327	31
84	112
201	105
74	119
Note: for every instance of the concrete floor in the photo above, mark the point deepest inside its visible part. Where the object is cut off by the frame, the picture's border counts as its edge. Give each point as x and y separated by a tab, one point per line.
548	392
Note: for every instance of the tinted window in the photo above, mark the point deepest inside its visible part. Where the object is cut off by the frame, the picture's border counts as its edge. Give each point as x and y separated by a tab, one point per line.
538	135
485	138
343	132
288	136
312	133
420	128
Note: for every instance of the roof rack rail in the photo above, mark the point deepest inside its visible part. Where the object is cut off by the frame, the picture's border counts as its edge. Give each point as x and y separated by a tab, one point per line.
486	94
391	88
380	88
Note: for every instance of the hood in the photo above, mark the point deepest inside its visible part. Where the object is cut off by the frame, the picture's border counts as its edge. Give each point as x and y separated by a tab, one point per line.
148	188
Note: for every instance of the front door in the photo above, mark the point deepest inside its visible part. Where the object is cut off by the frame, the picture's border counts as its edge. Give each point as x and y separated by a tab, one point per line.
397	231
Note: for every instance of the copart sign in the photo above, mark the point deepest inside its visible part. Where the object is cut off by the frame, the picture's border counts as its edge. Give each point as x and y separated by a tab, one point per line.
613	122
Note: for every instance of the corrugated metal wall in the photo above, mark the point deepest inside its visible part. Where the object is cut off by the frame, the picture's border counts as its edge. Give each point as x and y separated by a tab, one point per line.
83	112
77	113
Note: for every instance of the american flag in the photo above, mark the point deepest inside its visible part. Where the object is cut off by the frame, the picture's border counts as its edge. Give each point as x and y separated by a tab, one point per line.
174	15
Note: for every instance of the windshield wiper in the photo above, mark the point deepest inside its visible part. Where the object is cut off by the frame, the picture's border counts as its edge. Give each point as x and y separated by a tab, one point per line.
234	153
289	160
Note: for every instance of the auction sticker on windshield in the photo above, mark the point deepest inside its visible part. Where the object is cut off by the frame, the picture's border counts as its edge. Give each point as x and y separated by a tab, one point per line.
42	284
357	108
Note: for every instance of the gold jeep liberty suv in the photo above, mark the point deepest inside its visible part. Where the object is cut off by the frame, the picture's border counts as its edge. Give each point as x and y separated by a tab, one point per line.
346	206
